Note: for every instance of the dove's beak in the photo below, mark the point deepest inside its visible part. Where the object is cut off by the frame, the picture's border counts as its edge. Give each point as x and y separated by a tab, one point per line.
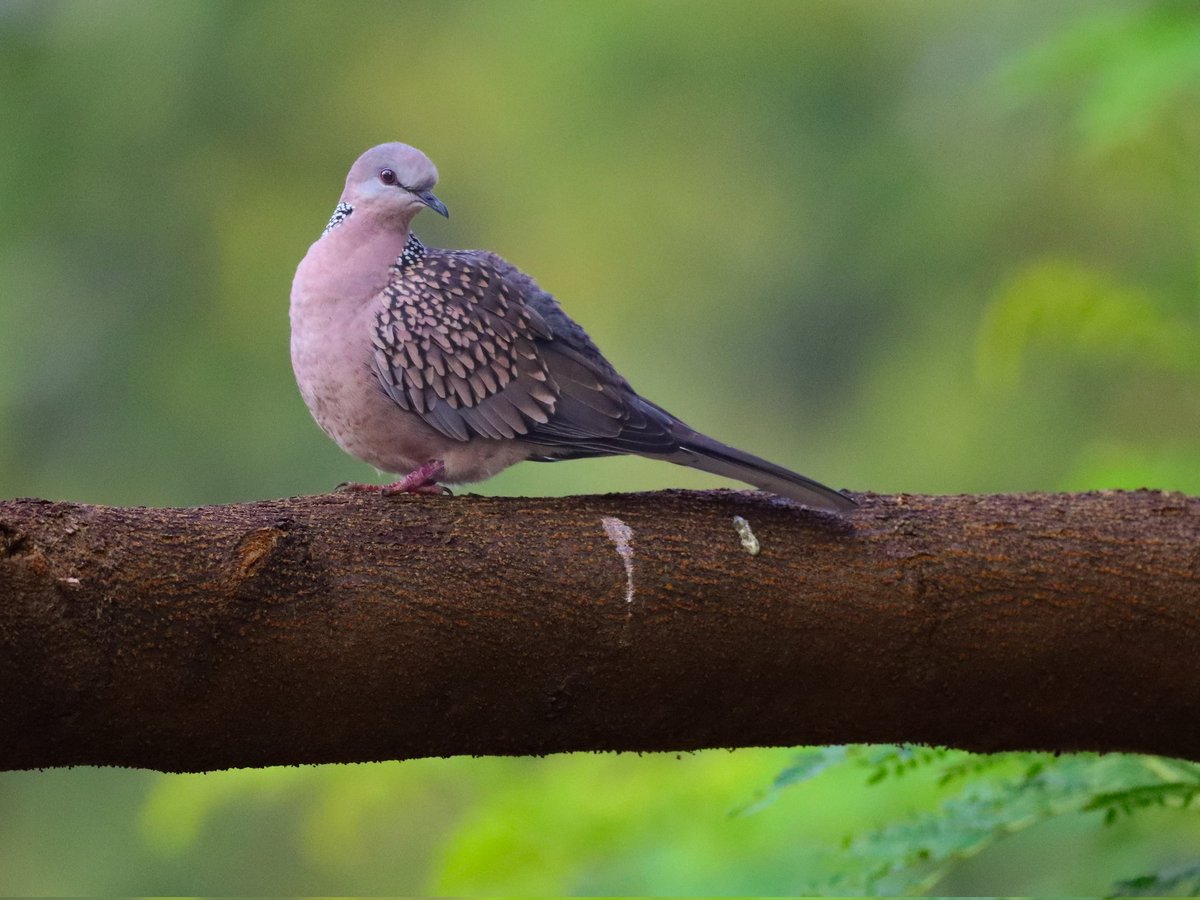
433	203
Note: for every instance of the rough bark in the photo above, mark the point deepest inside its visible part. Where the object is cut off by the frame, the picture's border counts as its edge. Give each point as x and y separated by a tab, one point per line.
343	628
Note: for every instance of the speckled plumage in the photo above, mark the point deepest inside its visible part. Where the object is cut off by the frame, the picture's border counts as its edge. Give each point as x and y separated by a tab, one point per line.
449	340
408	355
340	213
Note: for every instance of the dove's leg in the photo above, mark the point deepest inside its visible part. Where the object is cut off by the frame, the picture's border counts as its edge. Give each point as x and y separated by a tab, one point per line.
421	480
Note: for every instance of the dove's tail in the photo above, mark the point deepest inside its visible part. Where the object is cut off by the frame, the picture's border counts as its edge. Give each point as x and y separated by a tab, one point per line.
702	452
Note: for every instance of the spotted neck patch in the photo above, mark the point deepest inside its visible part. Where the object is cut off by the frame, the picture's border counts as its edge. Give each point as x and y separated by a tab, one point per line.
340	213
413	252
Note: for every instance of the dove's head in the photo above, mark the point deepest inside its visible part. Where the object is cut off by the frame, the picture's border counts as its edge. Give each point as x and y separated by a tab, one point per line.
392	182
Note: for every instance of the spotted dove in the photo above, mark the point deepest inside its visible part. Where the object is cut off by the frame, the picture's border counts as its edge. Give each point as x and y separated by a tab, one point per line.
453	365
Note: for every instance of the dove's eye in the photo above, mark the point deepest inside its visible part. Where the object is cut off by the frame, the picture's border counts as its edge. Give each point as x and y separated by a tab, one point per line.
387	176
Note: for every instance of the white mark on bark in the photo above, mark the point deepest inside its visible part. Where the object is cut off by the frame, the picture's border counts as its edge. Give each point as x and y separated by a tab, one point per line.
749	541
622	537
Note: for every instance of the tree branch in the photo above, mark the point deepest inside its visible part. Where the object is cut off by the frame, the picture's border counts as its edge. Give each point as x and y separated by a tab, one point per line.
344	628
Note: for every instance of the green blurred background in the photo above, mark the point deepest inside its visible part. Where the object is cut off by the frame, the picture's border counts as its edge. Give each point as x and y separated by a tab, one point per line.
903	246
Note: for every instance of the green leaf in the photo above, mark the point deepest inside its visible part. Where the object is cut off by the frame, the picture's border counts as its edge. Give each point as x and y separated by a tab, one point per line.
988	798
1180	881
807	764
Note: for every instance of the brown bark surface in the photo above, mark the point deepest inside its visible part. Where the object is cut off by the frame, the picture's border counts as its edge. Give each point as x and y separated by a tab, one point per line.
357	627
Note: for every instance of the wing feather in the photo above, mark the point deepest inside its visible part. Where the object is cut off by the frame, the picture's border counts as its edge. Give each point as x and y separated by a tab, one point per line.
474	347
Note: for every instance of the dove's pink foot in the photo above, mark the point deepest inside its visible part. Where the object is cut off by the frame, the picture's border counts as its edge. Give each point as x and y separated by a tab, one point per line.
421	480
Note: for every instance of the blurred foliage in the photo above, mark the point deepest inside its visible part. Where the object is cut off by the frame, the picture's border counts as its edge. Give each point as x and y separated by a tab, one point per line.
1078	315
1178	881
922	246
982	799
